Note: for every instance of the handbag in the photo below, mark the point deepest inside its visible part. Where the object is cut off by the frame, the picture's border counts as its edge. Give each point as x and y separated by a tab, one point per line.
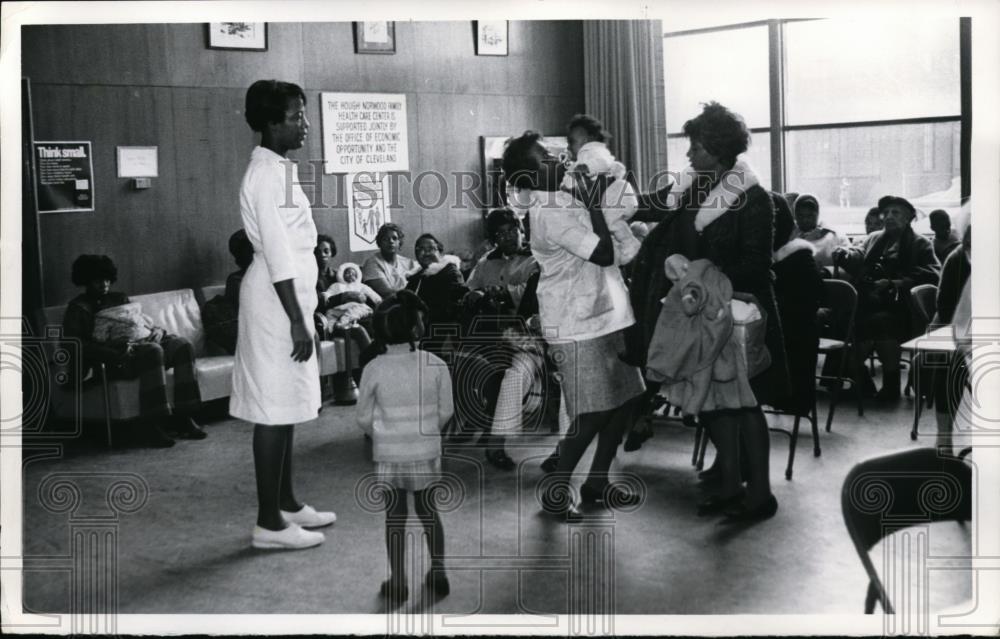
750	331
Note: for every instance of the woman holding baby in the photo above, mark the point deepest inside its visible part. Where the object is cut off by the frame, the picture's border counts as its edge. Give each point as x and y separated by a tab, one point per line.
718	211
583	304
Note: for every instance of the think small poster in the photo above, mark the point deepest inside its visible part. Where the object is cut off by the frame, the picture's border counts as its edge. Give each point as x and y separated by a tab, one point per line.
64	177
367	208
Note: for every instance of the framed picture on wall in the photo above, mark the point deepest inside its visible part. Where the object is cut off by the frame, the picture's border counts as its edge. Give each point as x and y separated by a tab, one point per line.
491	37
245	36
375	37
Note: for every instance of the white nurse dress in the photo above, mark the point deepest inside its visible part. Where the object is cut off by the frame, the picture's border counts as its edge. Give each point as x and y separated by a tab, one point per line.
269	387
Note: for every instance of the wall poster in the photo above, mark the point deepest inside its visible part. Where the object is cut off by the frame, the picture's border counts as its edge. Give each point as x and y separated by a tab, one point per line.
367	208
364	132
64	177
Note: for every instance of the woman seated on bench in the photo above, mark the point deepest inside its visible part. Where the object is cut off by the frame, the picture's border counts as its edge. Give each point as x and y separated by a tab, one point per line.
113	331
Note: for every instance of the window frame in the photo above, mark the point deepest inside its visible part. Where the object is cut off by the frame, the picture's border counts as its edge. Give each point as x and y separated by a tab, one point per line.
777	94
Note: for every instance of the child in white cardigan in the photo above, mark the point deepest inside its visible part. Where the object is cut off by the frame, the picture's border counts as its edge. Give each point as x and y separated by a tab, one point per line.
405	400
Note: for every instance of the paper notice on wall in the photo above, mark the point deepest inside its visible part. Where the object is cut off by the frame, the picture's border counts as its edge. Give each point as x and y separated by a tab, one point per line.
364	132
367	208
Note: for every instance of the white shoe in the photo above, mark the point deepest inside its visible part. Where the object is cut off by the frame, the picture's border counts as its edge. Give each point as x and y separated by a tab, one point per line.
292	537
307	517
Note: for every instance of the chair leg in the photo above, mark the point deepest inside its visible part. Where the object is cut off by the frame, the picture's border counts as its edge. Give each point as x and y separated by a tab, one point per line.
917	406
701	452
815	431
699	432
791	447
107	405
870	598
834	396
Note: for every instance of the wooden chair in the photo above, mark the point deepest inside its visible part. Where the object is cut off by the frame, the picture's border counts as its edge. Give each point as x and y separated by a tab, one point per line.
842	300
887	494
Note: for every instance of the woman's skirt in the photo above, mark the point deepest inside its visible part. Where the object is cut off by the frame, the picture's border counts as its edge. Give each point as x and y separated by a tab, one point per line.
411	476
592	375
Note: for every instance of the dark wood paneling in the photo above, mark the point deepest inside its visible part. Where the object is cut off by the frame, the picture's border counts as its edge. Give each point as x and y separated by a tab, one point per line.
159	85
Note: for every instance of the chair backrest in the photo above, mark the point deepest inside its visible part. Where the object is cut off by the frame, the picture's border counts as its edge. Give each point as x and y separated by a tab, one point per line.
206	293
842	301
178	313
886	494
923	304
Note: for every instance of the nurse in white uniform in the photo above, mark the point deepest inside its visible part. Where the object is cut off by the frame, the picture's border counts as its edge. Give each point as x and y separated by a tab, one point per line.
276	374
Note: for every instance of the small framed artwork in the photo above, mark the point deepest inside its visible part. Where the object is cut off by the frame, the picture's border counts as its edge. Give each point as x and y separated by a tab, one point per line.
245	36
375	37
491	37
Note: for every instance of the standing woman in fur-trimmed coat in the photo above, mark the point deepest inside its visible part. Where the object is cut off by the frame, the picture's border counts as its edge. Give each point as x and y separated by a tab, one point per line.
717	210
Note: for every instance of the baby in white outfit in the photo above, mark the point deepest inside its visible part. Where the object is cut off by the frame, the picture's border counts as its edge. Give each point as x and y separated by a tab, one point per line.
588	147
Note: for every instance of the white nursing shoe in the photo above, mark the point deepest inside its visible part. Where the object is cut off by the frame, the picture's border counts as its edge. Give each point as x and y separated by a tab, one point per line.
308	517
292	537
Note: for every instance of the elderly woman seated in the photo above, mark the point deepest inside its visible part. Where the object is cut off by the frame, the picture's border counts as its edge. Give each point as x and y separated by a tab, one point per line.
885	268
114	332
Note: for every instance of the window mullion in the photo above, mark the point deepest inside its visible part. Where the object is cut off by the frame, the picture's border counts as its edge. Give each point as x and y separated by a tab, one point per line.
776	65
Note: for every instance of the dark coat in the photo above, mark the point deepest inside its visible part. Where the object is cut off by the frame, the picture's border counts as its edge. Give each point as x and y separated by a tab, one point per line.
914	263
441	291
740	244
798	287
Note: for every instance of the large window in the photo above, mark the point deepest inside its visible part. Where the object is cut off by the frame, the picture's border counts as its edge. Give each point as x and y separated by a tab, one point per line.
863	108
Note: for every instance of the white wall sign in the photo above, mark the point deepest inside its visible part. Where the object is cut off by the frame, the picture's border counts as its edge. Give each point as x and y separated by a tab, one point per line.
367	208
137	161
364	132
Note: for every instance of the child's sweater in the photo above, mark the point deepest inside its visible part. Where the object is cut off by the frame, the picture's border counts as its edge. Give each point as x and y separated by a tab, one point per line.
404	401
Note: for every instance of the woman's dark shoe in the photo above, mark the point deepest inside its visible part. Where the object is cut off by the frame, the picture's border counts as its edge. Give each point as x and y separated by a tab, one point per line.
612	496
551	462
500	459
765	510
710	474
186	428
640	432
716	504
437	582
394	592
156	438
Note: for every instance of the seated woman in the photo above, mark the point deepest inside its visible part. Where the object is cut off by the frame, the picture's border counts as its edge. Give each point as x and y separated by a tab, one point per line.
242	251
809	227
885	267
500	302
386	271
342	306
113	332
439	284
948	387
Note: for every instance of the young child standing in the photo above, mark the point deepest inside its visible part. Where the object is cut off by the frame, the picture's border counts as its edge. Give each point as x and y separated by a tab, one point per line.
588	146
404	402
